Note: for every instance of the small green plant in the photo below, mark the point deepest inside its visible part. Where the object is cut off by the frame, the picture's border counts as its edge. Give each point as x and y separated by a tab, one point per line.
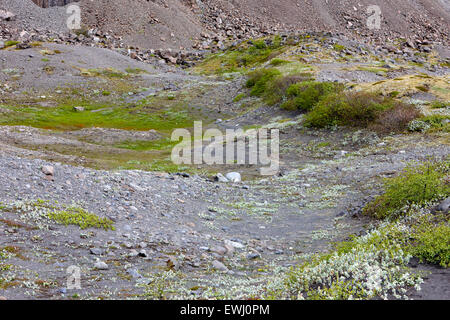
81	218
432	243
415	185
338	47
239	97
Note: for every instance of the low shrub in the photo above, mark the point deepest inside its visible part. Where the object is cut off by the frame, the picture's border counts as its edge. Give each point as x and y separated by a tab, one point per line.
361	109
305	95
415	185
259	79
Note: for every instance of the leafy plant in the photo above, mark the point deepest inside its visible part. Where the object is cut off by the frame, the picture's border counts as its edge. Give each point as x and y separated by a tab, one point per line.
415	185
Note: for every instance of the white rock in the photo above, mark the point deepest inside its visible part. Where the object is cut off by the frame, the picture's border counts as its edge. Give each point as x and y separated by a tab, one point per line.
48	170
234	176
221	178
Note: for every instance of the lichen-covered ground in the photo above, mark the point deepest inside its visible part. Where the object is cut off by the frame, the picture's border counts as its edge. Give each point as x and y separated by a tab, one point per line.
139	226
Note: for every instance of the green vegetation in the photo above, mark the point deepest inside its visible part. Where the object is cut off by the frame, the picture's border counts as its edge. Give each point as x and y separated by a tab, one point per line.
278	62
431	242
271	85
96	114
440	104
305	95
259	80
416	185
10	43
140	145
361	109
41	212
79	217
239	97
338	47
247	55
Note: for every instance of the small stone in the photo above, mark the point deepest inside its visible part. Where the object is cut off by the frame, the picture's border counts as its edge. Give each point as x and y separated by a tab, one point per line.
133	253
219	266
143	253
2	298
253	256
78	109
134	273
234	244
48	170
100	265
96	251
219	250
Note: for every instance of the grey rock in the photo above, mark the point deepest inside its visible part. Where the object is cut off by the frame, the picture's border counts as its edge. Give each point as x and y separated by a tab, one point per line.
100	265
96	251
219	265
444	206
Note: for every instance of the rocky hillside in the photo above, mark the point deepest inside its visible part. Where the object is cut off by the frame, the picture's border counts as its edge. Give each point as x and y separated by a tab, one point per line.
52	3
203	24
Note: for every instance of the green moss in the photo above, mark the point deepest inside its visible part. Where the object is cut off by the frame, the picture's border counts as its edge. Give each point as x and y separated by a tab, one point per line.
431	243
415	185
10	43
81	218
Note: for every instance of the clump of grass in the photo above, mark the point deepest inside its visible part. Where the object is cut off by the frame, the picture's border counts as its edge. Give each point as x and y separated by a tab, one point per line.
416	185
361	109
305	95
79	217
